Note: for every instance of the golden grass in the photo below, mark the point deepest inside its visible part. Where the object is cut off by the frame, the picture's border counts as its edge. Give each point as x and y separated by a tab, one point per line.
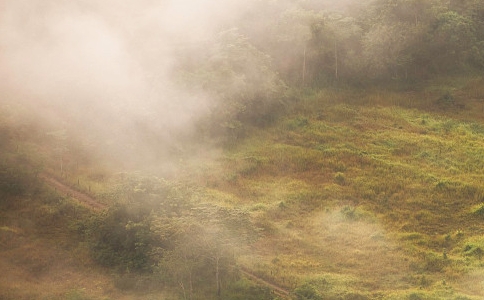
350	191
372	193
45	260
40	266
348	254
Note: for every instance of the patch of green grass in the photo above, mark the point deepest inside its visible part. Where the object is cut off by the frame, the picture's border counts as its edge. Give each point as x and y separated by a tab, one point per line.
374	194
396	159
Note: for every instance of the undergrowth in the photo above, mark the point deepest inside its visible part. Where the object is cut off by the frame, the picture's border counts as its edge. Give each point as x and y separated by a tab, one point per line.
409	162
368	194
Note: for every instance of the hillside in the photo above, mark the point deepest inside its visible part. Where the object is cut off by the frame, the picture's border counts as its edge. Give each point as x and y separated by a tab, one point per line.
376	194
347	194
242	150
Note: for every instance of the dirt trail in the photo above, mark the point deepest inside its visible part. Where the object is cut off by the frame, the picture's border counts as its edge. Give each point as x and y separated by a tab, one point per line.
279	291
93	204
65	189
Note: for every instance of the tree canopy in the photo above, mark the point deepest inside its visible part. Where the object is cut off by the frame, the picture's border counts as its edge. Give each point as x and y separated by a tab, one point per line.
412	39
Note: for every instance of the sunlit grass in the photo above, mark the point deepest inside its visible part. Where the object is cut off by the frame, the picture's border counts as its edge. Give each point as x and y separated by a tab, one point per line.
375	194
385	161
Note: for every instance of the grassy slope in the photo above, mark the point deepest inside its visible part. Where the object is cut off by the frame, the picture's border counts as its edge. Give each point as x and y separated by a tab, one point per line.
371	193
41	255
378	194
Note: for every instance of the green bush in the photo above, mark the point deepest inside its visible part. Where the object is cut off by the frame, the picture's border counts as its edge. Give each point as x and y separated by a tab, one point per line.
446	100
416	296
17	179
245	290
340	178
117	241
473	250
307	292
479	210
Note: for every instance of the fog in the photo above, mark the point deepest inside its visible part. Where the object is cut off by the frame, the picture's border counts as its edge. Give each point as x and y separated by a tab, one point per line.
105	70
105	67
106	78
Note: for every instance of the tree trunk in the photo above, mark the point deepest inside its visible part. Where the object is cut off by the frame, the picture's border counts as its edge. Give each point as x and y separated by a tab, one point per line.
183	289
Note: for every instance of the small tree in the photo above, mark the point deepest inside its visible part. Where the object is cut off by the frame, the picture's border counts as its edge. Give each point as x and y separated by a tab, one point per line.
204	249
118	241
60	148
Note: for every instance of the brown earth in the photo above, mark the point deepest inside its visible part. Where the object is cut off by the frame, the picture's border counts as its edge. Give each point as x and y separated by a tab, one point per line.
62	188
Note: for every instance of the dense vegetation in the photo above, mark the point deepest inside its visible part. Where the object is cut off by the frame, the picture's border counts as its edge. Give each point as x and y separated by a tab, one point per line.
251	68
348	165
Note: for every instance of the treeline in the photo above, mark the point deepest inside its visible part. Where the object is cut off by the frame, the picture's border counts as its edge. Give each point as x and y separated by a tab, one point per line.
315	44
251	70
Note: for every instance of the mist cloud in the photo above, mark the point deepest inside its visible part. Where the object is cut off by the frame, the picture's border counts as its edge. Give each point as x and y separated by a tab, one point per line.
106	66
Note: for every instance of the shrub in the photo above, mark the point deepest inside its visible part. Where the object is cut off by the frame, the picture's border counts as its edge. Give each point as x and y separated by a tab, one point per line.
478	210
340	178
296	123
244	290
116	241
307	292
415	296
473	250
17	179
446	100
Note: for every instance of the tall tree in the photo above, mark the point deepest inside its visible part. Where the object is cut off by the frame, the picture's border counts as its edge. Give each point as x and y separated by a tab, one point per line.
295	30
452	39
240	80
345	34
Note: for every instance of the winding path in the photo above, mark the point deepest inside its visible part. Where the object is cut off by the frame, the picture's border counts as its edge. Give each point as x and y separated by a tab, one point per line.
92	203
83	198
279	291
